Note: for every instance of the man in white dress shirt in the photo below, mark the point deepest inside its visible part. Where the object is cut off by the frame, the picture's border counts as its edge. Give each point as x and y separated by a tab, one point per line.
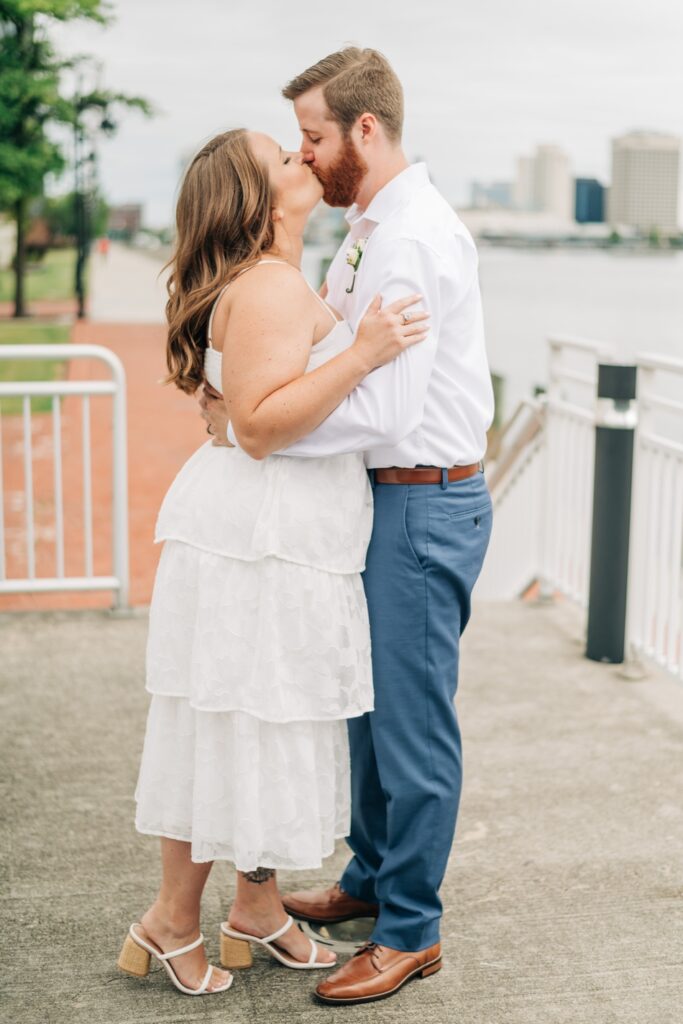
421	421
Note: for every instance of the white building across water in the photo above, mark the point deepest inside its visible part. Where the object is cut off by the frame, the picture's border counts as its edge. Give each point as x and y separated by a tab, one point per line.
645	174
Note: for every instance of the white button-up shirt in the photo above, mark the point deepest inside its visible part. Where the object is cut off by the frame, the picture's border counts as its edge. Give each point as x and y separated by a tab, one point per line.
433	404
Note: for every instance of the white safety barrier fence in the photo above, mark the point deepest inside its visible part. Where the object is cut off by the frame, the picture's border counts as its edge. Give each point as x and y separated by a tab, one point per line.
57	390
569	465
541	483
655	590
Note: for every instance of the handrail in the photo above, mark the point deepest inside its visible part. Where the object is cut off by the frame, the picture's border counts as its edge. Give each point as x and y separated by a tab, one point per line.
655	361
118	581
506	459
582	344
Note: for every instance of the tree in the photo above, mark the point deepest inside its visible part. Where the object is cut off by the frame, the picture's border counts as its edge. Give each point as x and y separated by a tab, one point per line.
60	214
31	103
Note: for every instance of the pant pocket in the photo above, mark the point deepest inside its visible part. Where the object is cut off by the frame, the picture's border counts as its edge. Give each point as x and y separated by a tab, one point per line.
478	511
415	528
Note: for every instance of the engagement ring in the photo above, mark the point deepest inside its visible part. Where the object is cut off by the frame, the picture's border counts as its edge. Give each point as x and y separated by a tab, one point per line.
406	318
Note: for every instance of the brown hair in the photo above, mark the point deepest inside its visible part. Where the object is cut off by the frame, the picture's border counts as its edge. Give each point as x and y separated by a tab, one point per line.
354	82
224	222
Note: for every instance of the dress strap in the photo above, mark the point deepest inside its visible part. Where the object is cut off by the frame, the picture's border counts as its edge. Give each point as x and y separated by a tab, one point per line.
322	303
209	335
213	310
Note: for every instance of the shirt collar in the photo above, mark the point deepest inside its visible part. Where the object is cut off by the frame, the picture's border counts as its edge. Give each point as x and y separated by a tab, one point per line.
394	195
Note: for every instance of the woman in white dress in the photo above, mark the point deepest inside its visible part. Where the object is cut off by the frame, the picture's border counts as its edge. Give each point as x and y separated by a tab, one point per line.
258	647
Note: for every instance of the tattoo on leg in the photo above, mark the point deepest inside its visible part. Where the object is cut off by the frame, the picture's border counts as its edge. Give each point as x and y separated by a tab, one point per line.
260	875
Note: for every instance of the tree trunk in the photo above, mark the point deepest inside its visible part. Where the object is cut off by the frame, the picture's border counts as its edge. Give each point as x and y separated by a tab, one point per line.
20	257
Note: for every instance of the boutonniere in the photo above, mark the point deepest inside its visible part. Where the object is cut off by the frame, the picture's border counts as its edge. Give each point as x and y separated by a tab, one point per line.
353	257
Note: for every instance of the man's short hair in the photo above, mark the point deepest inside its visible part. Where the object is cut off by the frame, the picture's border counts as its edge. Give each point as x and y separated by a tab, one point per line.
355	82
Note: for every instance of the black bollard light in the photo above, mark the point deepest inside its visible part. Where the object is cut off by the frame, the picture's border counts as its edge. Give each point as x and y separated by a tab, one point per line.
614	434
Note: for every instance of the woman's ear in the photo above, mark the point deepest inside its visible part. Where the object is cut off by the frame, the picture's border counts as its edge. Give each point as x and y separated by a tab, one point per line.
277	214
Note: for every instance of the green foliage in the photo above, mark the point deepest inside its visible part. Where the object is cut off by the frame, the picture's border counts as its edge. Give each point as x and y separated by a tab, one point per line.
60	214
62	10
12	333
30	101
28	94
49	279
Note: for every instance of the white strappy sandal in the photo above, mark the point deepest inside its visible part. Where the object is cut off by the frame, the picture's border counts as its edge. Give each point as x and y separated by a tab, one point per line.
235	951
137	952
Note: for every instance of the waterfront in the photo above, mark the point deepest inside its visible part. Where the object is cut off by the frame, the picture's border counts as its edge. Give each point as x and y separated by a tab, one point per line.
631	300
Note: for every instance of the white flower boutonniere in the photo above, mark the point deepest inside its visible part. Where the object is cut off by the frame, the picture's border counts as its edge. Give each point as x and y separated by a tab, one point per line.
353	257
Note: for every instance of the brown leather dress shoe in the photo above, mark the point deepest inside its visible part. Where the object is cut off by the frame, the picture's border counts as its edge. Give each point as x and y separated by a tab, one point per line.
375	972
327	906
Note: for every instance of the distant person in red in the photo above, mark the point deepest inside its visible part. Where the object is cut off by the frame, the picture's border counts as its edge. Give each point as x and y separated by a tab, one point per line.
103	246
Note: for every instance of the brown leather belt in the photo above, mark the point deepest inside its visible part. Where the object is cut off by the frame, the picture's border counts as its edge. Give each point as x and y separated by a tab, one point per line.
424	475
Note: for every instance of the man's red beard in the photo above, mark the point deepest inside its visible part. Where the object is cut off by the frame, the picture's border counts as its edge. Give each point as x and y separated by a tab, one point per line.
342	179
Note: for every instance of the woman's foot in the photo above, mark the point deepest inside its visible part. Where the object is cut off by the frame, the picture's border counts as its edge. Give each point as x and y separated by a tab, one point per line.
264	920
166	932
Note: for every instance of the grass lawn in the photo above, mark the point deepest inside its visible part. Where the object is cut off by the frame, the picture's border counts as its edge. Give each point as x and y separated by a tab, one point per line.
21	332
51	278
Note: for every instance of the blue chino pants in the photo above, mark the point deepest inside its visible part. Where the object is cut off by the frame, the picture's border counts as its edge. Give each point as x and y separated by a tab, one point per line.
427	548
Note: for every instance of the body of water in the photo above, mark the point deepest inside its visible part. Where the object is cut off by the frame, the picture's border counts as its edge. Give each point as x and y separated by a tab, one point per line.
631	300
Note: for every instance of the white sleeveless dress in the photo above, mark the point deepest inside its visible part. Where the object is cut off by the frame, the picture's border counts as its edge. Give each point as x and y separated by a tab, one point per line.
258	650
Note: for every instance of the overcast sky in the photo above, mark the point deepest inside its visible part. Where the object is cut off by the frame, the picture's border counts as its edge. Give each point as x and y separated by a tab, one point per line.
485	81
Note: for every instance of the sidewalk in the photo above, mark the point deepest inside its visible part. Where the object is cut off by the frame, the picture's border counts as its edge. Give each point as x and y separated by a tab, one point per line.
564	895
126	286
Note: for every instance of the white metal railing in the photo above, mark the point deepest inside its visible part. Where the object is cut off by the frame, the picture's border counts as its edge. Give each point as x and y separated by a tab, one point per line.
569	462
542	488
655	589
542	482
115	386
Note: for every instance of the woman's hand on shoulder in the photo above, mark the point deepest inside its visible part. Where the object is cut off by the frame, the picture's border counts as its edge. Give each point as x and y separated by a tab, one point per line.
384	333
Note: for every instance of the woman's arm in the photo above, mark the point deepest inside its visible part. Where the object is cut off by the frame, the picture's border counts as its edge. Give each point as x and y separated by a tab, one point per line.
270	399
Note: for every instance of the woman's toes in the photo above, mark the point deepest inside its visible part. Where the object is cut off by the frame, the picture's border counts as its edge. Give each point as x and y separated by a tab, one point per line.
219	979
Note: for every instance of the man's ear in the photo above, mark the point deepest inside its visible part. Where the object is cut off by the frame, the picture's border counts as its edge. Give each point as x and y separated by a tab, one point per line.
367	124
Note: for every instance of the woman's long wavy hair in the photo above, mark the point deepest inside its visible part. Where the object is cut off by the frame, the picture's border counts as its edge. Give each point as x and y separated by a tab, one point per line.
224	223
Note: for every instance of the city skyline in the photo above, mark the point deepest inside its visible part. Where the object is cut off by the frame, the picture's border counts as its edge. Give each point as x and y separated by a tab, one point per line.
481	88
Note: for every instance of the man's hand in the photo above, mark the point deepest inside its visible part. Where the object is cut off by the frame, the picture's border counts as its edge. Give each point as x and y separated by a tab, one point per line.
216	415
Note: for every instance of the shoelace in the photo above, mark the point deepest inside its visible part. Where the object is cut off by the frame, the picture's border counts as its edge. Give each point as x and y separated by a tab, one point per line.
372	948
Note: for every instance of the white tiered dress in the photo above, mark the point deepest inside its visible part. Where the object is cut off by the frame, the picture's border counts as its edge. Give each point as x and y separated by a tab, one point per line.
258	651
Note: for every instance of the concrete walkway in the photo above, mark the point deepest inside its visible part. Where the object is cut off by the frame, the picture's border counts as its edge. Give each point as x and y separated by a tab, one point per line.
564	895
126	286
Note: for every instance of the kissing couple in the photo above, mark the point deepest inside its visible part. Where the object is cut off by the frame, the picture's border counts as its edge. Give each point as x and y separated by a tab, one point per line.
320	548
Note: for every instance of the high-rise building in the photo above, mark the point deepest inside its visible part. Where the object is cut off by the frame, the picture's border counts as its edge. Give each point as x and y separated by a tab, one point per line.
553	189
544	182
645	171
523	188
589	201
